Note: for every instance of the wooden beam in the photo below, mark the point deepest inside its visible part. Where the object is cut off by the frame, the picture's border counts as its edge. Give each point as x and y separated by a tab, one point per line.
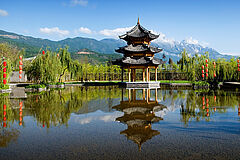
138	67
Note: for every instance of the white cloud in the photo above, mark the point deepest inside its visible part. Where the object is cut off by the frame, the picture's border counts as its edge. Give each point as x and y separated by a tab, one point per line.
84	30
3	12
114	32
231	53
162	38
106	117
83	3
54	30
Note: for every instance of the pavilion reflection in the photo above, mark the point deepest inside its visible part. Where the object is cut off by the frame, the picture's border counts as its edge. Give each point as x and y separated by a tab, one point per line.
139	115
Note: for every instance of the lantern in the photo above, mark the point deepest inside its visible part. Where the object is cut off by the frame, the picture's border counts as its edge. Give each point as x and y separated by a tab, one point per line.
207	105
20	113
20	63
237	60
4	75
207	114
4	118
203	107
203	98
238	65
206	74
57	55
202	71
206	60
207	100
43	52
20	71
207	109
238	69
4	124
20	76
207	65
214	74
20	104
202	75
4	113
20	123
4	63
4	69
202	66
215	109
4	81
20	67
20	109
20	57
20	118
207	70
215	98
4	107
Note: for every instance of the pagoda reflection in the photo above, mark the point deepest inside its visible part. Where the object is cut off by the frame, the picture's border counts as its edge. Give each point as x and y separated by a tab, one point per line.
139	115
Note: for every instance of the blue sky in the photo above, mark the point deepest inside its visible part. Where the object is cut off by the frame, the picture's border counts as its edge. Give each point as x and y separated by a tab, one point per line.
214	23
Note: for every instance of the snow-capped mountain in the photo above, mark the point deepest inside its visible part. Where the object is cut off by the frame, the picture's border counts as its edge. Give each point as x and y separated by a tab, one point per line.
172	48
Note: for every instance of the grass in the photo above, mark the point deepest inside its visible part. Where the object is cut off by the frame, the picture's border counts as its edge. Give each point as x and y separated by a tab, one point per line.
4	86
36	86
79	82
174	81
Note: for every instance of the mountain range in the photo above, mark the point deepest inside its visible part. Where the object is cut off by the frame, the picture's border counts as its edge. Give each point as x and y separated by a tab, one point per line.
171	49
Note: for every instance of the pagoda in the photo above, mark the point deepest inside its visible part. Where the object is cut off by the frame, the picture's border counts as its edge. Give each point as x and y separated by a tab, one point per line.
139	115
138	54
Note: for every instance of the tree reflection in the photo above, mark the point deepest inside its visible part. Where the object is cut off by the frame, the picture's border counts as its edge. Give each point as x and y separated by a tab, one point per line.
7	136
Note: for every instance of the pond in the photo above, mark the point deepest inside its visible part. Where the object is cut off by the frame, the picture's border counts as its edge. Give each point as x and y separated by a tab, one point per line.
107	122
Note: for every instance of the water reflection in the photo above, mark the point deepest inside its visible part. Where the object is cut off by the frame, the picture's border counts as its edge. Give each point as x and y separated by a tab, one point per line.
139	115
81	122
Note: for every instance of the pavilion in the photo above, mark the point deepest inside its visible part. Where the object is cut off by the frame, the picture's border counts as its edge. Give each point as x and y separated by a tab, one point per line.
139	115
138	54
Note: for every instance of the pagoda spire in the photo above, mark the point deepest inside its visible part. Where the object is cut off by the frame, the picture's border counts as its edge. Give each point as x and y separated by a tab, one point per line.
138	21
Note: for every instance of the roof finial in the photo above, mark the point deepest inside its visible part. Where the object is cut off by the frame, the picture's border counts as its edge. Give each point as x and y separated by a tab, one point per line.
138	21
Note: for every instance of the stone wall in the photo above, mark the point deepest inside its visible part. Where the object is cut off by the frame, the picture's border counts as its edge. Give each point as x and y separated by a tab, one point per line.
14	77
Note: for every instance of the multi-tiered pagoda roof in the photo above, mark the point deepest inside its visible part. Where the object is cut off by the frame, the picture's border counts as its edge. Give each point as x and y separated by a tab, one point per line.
139	115
138	50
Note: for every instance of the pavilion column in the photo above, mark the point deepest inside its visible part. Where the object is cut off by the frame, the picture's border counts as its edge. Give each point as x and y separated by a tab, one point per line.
156	74
147	95
143	74
147	75
134	95
143	94
129	75
134	75
156	94
129	95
